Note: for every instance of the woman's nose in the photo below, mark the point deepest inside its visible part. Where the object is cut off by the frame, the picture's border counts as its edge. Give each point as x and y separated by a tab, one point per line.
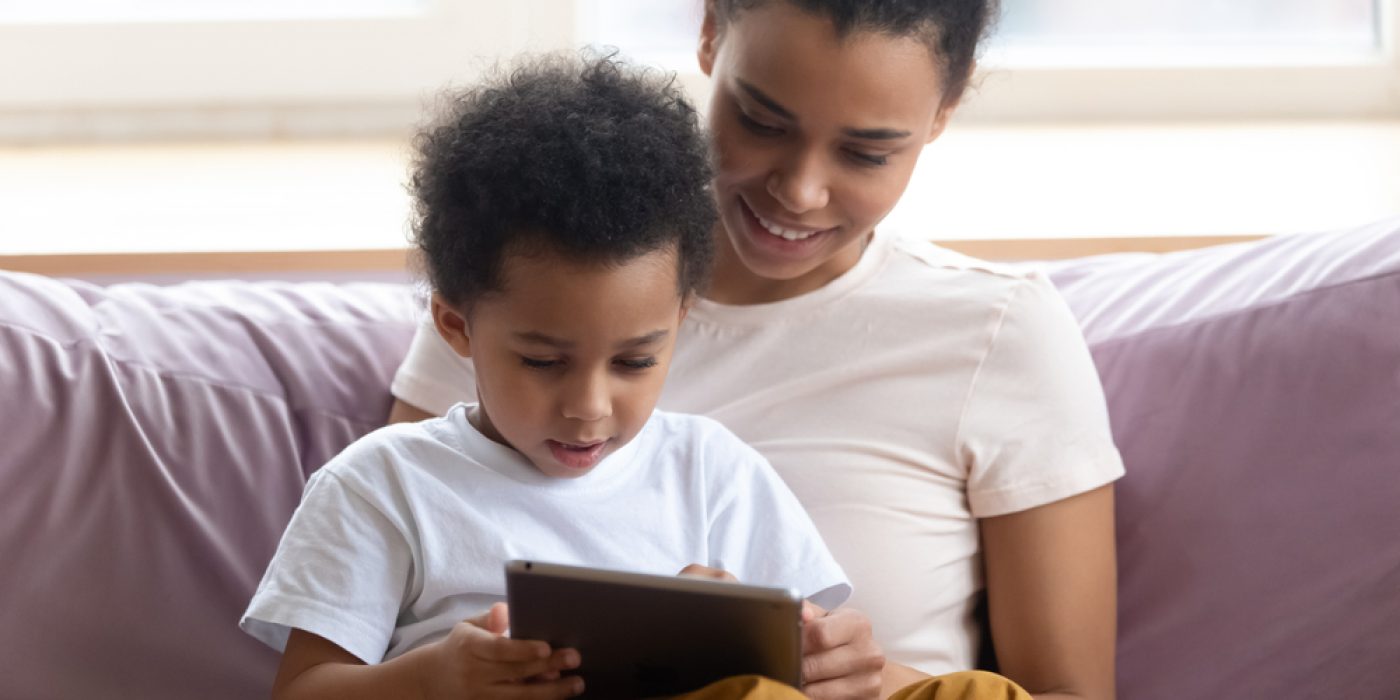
800	185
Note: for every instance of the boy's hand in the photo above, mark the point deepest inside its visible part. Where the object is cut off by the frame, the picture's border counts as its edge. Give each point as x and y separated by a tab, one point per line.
477	660
840	658
699	571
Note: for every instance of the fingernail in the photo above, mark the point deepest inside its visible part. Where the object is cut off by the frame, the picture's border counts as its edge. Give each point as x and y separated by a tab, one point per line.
571	659
577	685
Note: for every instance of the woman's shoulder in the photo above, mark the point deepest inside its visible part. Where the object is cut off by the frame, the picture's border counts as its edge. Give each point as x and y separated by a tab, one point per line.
920	271
917	257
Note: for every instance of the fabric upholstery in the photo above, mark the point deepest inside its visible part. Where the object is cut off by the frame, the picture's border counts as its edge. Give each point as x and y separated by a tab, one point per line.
1254	391
155	440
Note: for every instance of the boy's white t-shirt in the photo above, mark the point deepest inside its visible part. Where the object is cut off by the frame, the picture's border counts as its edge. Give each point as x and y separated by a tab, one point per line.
916	393
407	532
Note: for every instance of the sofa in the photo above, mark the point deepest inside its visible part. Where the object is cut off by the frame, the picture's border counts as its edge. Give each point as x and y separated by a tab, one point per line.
155	439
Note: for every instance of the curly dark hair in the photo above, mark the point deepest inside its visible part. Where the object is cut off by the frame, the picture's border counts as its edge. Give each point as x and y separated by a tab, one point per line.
952	29
584	155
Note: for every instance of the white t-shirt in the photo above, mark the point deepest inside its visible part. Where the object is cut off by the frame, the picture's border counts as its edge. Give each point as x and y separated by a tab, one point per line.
407	532
916	393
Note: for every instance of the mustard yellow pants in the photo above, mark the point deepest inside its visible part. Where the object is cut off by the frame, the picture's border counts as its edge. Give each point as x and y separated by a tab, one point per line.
966	685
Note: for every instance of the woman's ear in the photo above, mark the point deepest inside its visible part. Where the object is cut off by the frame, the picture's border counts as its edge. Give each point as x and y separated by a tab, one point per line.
709	39
945	113
452	325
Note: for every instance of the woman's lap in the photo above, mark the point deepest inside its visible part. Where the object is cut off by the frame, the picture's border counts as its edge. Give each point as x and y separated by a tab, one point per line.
965	685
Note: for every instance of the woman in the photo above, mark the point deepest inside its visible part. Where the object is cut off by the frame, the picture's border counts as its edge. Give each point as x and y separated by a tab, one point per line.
939	417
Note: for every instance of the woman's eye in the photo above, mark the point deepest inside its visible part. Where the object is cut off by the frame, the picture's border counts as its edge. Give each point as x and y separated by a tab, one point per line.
868	158
638	363
533	363
758	127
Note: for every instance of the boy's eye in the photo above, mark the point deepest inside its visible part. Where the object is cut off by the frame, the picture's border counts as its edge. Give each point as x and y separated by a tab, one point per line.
758	127
638	363
537	364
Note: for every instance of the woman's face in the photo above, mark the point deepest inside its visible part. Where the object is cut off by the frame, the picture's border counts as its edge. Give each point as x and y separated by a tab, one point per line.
816	137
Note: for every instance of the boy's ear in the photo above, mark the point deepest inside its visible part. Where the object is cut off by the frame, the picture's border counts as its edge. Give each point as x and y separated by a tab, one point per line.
709	39
451	325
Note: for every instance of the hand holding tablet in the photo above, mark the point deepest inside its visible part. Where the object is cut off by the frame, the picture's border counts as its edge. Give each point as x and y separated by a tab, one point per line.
642	635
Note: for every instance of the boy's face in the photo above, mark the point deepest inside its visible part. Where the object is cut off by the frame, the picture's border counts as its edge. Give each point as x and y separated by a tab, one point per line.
570	357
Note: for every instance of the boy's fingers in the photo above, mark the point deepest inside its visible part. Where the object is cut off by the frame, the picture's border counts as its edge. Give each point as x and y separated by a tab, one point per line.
539	669
544	690
507	650
700	571
496	620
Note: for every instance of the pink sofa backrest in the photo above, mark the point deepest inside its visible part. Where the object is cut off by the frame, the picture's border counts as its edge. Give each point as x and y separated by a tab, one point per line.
155	440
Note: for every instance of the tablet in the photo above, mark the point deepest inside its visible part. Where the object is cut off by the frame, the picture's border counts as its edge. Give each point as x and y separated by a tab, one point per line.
641	635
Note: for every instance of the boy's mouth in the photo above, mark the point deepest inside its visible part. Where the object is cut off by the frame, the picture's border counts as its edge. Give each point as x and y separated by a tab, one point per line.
577	455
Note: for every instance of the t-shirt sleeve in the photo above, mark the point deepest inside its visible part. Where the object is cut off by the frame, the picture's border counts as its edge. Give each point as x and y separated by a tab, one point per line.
341	571
433	376
759	532
1035	428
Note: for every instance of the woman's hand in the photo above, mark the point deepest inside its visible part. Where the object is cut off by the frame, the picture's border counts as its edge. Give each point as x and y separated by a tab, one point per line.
840	658
477	660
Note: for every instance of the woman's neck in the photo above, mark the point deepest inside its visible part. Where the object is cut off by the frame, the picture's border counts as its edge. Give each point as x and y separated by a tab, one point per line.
735	284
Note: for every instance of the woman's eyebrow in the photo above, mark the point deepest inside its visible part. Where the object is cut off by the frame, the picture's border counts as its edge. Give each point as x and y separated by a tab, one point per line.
863	134
763	99
876	134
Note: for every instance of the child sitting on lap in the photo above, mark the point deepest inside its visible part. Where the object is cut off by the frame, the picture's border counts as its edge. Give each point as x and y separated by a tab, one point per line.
564	220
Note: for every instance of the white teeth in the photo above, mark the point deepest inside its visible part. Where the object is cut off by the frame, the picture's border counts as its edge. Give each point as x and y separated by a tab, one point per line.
781	232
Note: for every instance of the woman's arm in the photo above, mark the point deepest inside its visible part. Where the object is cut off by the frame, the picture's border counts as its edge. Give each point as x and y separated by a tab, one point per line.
1052	596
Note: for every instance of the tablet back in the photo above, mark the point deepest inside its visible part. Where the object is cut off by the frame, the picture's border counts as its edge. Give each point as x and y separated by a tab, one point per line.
642	636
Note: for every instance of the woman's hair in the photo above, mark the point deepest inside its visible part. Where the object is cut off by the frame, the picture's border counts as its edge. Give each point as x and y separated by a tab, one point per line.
952	29
586	157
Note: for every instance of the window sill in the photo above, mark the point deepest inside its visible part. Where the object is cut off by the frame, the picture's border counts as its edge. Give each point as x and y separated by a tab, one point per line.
999	191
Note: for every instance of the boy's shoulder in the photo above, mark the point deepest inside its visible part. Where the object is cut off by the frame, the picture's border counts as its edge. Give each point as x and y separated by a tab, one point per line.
393	448
691	428
703	441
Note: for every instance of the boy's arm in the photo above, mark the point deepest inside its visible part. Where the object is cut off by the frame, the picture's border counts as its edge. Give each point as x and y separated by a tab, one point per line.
474	660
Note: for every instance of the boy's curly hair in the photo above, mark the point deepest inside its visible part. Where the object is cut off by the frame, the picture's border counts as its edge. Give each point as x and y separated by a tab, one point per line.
585	156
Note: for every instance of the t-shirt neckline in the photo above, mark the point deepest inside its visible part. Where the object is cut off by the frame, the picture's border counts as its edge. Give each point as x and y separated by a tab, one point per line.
511	464
871	260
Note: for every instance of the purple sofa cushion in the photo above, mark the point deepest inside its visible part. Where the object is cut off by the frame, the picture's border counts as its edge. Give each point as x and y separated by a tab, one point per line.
1255	394
155	441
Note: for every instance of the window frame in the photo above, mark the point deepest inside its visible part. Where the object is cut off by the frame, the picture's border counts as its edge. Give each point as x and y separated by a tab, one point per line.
372	75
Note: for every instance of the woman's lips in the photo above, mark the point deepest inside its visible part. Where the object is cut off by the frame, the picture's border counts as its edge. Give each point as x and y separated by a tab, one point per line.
575	455
776	237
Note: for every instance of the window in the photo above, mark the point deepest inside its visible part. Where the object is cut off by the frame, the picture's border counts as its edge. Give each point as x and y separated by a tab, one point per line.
250	67
1115	59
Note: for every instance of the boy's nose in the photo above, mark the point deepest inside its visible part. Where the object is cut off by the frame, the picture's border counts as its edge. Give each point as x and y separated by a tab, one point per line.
588	399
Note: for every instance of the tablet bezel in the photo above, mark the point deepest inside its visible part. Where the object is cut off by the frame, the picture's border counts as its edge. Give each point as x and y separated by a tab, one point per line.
625	624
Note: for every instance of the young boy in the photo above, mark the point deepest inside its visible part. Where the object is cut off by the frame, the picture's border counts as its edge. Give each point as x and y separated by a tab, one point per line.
564	219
